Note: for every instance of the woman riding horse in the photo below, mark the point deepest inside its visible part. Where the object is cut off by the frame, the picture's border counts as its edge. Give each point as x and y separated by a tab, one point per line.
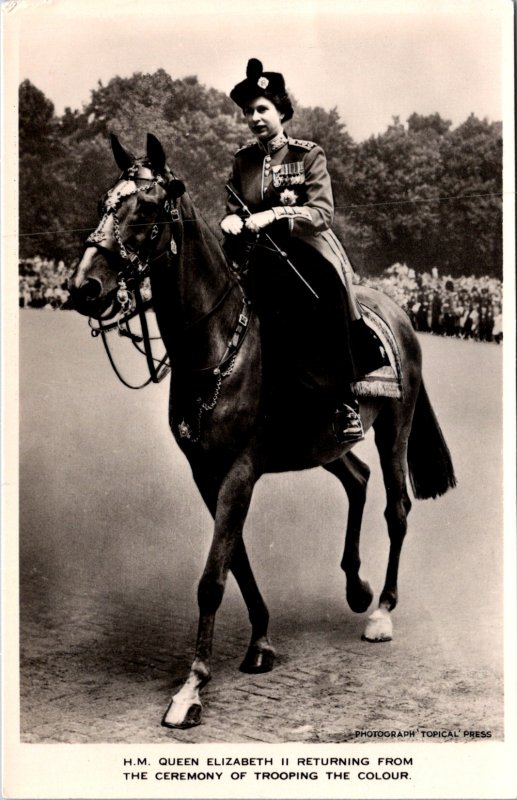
150	228
282	184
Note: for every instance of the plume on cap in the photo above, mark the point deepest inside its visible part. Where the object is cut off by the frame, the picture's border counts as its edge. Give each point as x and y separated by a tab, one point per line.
254	69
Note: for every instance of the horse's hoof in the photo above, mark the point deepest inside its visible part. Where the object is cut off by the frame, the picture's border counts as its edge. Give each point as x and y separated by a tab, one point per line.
258	659
379	627
359	597
173	718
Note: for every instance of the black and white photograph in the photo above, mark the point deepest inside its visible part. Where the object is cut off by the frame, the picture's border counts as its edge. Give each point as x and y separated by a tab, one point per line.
258	399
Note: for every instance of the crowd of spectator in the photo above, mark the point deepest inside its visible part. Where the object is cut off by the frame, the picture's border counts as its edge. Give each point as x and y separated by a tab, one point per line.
465	307
43	283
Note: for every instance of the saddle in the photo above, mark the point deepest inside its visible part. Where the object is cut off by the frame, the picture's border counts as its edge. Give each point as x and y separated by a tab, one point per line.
386	380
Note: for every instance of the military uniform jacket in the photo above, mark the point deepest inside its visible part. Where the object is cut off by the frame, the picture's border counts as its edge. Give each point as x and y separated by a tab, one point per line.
290	177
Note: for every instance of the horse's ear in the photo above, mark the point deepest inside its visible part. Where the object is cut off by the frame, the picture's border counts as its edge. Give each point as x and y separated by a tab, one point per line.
175	188
157	158
155	154
123	157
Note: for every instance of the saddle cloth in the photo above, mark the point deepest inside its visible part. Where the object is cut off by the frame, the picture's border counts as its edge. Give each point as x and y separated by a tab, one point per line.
387	380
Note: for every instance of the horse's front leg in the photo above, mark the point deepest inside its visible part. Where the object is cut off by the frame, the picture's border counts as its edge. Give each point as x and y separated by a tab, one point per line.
233	502
260	655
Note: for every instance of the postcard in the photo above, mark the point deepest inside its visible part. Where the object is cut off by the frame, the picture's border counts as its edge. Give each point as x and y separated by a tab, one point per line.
258	401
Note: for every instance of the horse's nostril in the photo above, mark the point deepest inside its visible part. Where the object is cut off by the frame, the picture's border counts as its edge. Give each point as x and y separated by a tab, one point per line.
90	289
86	295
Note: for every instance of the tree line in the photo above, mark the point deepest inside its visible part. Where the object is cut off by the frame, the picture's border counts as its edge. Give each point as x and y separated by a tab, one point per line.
421	193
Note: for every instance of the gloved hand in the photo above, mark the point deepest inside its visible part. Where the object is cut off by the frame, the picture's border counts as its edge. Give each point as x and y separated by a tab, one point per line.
232	224
257	221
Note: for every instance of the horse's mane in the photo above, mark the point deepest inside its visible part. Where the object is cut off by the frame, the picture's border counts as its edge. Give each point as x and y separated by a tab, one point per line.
200	242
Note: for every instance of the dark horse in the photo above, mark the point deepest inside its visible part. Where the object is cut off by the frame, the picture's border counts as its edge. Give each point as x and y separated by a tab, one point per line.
150	228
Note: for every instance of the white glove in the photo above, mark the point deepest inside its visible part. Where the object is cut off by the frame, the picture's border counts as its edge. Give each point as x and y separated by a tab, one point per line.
256	222
232	224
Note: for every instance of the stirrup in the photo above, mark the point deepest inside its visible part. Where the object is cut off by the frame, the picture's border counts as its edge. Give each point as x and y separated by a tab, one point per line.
347	425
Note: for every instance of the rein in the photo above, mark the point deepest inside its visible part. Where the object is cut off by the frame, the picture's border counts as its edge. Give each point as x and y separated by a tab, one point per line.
158	369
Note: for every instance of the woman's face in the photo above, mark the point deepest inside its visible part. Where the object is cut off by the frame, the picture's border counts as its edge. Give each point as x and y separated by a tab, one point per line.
263	118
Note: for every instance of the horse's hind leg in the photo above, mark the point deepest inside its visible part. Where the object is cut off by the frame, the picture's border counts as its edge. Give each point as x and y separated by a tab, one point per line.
391	436
353	474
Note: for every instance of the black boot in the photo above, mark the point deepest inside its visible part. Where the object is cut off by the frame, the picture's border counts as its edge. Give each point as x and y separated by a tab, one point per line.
347	424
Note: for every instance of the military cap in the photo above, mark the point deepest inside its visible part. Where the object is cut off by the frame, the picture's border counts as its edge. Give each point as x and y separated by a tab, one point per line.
262	84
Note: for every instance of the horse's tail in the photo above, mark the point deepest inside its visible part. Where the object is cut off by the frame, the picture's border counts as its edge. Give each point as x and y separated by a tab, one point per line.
431	471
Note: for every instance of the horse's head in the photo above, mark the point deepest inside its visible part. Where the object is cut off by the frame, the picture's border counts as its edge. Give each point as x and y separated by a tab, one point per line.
132	232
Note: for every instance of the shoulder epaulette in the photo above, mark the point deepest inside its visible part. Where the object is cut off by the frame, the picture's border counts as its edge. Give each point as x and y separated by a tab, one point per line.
302	143
245	146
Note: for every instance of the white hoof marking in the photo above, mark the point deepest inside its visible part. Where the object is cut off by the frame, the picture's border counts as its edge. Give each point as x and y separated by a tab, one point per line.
379	627
178	712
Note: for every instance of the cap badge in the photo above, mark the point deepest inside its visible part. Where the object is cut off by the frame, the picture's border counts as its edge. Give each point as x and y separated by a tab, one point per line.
263	82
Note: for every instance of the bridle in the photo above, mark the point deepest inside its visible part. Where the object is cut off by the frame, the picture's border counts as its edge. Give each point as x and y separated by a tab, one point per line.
133	300
136	270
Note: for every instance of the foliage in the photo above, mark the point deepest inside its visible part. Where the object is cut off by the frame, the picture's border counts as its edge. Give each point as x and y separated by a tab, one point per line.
471	219
396	186
420	193
427	195
41	187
